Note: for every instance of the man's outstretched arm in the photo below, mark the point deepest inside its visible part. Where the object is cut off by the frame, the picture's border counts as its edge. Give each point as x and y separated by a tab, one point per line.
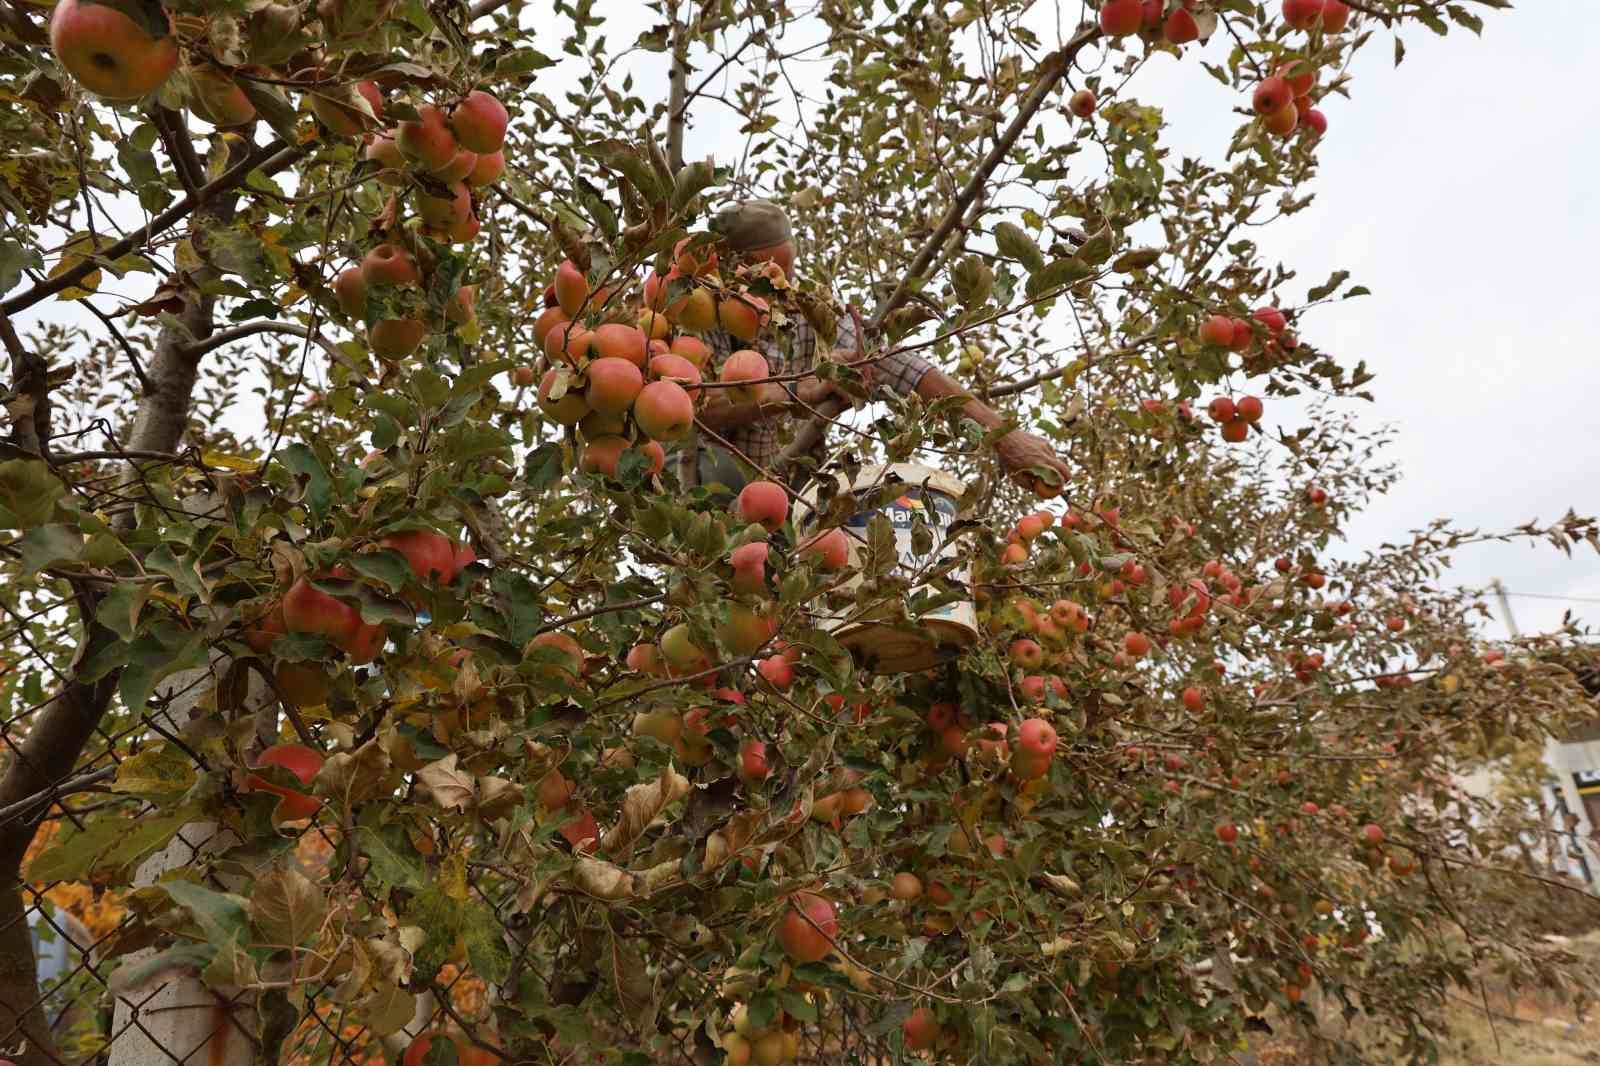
1017	450
904	372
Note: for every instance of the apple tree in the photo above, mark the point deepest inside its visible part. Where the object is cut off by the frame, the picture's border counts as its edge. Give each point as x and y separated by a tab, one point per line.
382	668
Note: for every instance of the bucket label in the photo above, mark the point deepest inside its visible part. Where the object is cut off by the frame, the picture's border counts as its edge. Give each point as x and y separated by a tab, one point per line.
936	510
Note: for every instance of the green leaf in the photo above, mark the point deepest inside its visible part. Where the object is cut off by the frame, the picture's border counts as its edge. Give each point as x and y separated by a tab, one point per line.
518	602
183	959
1013	243
522	61
110	845
45	546
156	654
385	566
16	260
222	916
1097	249
271	105
230	966
391	857
184	573
545	466
28	493
690	182
161	772
303	462
1136	259
1061	272
1322	291
630	163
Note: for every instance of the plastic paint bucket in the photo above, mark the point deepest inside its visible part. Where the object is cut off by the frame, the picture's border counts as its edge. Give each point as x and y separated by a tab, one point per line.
918	503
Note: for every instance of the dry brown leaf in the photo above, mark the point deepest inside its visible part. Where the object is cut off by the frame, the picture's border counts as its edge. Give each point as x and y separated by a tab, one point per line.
642	805
450	788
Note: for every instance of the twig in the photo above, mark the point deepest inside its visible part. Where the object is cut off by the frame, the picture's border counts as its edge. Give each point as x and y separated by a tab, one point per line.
81	783
272	156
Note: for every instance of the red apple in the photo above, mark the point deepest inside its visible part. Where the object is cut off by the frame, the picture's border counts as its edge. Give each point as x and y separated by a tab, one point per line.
808	927
613	385
389	264
303	763
764	502
1180	27
479	122
1217	330
829	550
1302	14
427	140
109	53
431	556
664	410
1118	18
1272	96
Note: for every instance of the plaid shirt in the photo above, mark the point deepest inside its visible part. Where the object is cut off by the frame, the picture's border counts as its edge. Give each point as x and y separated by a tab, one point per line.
899	372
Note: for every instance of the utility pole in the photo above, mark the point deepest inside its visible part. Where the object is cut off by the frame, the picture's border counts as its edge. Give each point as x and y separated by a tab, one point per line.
1505	609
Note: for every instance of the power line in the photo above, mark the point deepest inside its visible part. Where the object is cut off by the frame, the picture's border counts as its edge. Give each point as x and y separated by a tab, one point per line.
1549	596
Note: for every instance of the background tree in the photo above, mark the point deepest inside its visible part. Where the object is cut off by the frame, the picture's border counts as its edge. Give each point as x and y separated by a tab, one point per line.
334	524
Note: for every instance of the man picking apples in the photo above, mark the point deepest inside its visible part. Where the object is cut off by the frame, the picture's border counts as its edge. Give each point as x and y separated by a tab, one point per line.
760	231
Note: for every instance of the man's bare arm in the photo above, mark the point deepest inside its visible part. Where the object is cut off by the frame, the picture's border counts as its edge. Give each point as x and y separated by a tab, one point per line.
1018	450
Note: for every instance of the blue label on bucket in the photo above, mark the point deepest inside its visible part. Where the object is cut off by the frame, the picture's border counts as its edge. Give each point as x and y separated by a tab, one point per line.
936	510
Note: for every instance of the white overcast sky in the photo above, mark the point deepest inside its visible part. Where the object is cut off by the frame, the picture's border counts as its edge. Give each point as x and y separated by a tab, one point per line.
1460	188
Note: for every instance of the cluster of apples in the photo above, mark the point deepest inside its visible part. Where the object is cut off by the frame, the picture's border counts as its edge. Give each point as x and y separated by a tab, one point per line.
443	155
632	377
398	274
1120	18
746	1044
1025	532
952	738
761	508
468	142
1283	101
433	559
1238	335
1235	416
123	52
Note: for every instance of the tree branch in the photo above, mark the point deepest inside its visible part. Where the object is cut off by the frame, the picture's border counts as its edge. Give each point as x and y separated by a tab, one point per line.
271	157
262	325
1051	71
30	411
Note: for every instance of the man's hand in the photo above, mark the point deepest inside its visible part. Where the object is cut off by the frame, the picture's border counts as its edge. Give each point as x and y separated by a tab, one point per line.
1018	451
